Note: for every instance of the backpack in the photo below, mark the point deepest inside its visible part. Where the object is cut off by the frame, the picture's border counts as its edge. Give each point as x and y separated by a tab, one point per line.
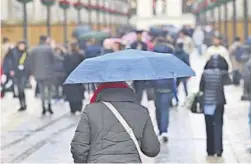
241	54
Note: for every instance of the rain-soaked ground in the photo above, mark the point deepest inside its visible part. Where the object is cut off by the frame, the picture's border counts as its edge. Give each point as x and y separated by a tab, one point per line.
28	137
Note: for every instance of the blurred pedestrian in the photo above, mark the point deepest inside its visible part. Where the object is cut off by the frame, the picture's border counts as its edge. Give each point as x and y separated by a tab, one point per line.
247	89
118	46
162	46
217	48
59	71
187	41
107	46
139	45
183	56
6	46
236	65
99	126
5	59
74	92
212	86
93	49
18	66
198	38
42	68
163	93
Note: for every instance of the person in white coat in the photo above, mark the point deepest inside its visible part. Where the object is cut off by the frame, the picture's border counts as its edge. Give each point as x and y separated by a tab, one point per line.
218	48
198	38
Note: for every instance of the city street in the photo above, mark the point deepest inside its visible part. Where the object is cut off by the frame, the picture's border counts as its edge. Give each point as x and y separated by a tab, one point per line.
28	137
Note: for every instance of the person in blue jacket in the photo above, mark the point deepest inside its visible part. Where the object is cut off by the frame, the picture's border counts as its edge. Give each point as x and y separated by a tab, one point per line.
139	86
93	49
164	93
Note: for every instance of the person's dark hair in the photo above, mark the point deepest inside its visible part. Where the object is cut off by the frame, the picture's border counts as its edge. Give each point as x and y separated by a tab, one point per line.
237	39
183	32
42	39
5	40
21	42
139	32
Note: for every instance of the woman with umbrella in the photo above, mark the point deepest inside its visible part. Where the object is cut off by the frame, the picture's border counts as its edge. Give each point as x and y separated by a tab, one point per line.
114	127
74	93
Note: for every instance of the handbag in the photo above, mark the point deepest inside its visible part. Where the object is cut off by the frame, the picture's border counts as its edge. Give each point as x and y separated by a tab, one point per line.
126	127
197	105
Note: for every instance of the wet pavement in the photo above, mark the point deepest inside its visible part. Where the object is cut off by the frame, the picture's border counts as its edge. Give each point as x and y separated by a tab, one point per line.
30	138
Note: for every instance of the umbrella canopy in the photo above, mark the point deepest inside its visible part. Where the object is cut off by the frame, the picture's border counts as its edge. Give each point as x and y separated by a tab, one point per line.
98	35
80	30
129	65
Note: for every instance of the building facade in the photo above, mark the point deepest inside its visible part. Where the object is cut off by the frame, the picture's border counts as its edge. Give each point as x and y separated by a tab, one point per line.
12	11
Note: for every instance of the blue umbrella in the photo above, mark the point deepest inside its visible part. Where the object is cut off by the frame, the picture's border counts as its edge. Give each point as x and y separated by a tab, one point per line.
129	65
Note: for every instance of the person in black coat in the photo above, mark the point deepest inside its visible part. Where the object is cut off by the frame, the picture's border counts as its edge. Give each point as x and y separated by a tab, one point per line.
217	61
18	66
139	45
213	100
59	71
74	92
183	56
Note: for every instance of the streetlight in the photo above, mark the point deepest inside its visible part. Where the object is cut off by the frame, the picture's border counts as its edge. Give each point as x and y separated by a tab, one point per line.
89	14
25	22
78	6
65	5
48	4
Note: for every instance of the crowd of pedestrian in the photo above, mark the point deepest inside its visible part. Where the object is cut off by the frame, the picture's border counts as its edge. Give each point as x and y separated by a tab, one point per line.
49	64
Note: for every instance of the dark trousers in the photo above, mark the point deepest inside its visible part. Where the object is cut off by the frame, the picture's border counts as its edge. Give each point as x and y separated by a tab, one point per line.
75	106
20	83
214	130
185	86
37	91
139	87
45	87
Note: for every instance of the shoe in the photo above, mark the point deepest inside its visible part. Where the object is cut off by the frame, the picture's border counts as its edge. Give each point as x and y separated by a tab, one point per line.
219	155
73	112
164	137
22	109
210	154
49	109
44	111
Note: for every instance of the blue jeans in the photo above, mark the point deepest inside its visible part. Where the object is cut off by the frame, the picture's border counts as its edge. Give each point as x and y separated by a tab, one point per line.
162	105
139	87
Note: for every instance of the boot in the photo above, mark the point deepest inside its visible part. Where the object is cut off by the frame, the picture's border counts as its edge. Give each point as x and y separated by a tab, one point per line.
44	110
22	103
49	109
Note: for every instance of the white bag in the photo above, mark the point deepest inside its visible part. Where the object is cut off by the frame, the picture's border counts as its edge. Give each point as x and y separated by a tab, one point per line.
127	128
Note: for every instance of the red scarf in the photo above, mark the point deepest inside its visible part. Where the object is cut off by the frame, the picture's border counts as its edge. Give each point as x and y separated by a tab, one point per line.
103	86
